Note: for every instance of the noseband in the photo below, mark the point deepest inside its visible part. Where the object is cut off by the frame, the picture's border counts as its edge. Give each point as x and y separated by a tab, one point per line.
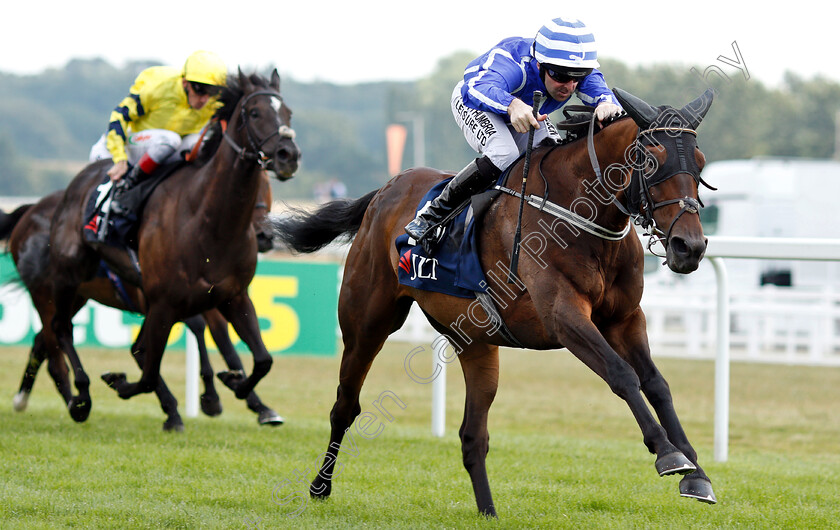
677	161
256	145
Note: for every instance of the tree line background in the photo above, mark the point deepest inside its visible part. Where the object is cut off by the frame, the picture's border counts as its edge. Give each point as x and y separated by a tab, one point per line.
49	121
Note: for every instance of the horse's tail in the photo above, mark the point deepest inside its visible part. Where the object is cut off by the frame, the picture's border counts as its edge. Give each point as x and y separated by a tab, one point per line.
8	221
307	232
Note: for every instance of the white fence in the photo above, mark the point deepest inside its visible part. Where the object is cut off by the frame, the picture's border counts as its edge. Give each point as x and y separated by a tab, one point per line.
768	324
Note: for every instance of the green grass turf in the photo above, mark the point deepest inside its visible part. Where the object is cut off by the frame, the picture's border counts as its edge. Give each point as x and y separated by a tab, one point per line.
564	452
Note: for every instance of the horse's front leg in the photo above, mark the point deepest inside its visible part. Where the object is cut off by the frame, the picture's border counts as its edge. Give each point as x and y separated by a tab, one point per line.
156	327
219	331
577	332
168	402
629	338
240	312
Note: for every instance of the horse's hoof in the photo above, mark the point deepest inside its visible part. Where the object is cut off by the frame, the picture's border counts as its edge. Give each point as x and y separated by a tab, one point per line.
211	405
20	401
269	417
113	379
697	488
232	379
173	424
79	410
673	464
320	490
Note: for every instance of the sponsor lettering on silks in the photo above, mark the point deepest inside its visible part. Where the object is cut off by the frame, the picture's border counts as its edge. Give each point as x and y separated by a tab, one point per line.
476	121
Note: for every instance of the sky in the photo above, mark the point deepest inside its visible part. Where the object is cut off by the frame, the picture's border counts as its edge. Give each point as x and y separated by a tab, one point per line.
348	42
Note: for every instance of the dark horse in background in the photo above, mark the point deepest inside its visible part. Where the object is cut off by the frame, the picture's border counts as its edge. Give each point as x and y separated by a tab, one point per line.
27	230
580	289
196	244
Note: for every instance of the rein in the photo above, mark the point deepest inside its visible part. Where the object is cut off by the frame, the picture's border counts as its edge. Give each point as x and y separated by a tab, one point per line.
256	145
637	195
543	205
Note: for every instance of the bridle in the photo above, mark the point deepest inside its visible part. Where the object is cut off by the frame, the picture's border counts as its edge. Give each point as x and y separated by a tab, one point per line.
679	144
256	151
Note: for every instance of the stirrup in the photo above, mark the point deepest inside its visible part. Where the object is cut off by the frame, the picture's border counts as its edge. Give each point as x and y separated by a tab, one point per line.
431	238
428	236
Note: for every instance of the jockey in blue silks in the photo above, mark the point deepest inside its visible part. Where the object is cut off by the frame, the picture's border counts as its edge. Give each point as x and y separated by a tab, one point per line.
493	105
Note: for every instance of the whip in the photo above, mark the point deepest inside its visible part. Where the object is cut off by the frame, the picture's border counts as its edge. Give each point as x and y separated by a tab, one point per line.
514	260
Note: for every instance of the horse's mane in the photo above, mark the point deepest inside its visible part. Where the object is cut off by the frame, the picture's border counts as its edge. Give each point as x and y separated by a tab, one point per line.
232	92
576	125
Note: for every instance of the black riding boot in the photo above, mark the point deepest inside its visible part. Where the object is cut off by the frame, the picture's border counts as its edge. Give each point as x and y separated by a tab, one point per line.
128	181
476	177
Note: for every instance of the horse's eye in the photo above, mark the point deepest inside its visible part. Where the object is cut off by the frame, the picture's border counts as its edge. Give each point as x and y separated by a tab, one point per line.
255	113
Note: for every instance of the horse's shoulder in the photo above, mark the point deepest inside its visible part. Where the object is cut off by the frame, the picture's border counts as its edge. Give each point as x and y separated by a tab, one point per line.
178	185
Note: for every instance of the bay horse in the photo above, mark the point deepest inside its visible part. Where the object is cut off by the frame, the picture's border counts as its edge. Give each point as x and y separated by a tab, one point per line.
196	246
578	287
27	230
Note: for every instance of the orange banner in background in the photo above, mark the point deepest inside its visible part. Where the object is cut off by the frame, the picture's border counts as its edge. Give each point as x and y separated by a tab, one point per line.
395	136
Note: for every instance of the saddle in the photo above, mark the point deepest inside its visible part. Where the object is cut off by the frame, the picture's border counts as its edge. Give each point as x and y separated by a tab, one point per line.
454	268
121	230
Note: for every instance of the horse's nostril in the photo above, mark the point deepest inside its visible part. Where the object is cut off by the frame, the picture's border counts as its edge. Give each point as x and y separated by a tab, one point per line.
679	246
688	249
286	154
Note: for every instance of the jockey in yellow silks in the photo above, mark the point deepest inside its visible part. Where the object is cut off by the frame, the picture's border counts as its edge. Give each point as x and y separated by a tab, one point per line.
160	118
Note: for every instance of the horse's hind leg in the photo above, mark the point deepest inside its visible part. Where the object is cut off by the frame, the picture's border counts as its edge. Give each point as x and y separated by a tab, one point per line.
79	405
60	374
156	327
57	369
211	405
364	330
63	303
630	340
480	363
45	347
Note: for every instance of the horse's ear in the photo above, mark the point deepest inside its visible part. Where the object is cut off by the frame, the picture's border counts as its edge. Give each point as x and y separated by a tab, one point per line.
245	82
275	80
695	111
642	113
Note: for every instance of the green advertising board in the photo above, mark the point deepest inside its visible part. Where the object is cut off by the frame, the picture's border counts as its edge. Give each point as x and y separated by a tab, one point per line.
295	300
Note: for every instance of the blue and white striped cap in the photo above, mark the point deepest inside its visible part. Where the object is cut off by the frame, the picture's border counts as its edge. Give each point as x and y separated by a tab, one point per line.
566	43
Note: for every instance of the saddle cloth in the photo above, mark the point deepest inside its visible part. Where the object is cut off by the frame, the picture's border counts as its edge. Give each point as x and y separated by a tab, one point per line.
454	269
